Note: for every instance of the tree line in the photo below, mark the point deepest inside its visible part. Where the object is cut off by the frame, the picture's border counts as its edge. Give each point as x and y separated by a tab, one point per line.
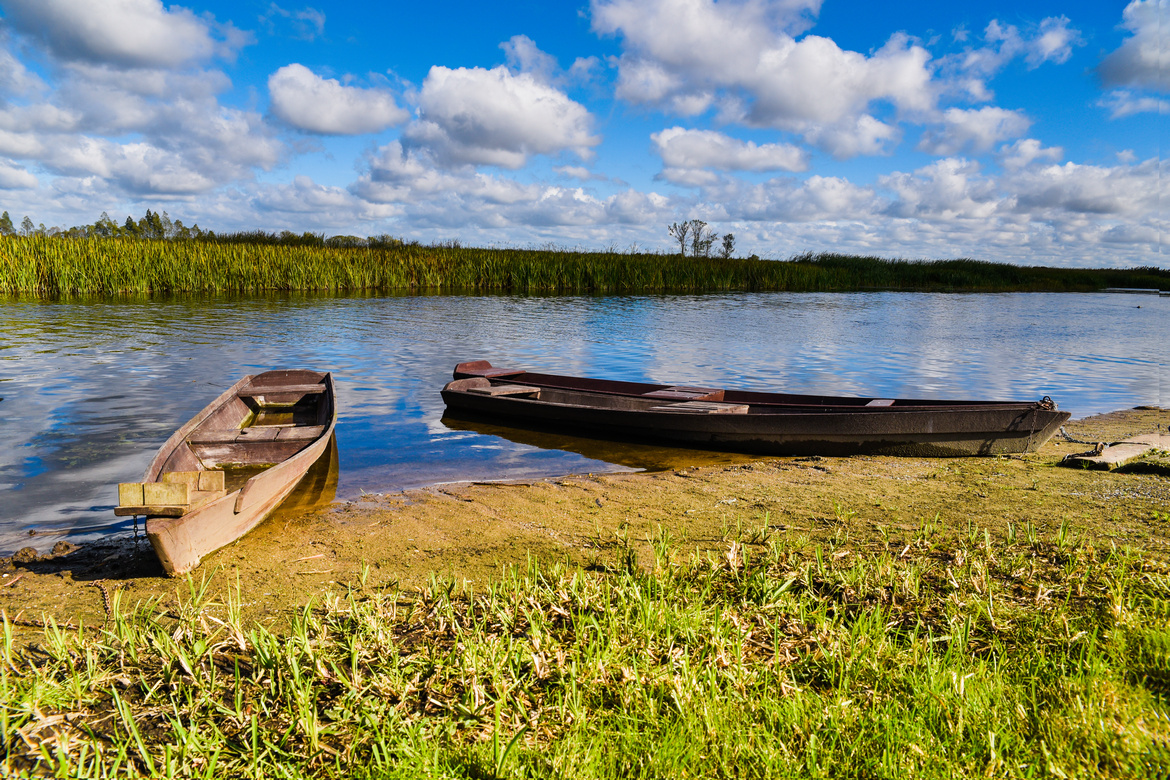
155	226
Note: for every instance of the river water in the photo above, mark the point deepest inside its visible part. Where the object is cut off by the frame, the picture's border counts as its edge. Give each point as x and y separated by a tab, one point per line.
91	389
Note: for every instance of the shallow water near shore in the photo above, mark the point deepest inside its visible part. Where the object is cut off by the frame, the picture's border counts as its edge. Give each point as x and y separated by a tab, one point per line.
92	388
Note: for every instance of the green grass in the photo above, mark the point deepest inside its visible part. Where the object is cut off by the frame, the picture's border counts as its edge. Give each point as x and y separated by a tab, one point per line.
52	267
931	656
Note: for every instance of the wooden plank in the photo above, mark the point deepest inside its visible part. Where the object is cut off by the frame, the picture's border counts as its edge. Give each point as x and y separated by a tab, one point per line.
251	391
300	433
881	402
495	390
225	436
201	497
130	494
211	480
151	510
188	478
702	407
1122	453
260	433
683	393
164	493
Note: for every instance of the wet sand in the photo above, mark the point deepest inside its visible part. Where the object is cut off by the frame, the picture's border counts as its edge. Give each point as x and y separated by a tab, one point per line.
469	533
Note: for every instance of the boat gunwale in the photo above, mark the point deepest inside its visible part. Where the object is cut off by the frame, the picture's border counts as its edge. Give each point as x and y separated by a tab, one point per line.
755	398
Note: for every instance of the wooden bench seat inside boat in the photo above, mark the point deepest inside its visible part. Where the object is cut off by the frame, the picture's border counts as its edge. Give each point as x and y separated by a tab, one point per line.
251	391
258	433
702	407
495	390
681	393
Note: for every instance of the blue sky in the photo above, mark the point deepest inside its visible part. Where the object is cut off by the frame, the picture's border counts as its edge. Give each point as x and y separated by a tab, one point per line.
1017	132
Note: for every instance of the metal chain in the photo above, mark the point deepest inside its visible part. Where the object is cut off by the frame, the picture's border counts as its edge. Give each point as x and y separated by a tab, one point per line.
1064	433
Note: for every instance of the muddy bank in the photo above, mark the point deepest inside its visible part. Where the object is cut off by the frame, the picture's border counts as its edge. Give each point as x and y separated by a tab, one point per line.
469	532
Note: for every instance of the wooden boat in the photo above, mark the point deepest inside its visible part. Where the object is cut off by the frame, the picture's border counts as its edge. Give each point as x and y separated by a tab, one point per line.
232	464
746	421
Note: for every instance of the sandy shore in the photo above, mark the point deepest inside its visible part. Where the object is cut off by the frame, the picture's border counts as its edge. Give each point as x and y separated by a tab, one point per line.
468	532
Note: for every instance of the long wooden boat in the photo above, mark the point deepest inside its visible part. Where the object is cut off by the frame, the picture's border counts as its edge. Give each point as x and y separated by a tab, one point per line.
232	464
747	421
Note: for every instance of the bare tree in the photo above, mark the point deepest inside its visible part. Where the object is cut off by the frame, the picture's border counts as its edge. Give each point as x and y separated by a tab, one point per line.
701	238
728	246
679	232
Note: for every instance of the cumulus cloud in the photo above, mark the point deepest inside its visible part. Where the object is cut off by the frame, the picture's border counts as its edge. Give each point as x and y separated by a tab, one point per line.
14	177
1052	40
685	149
125	33
314	104
184	141
429	197
947	189
1123	102
862	135
1026	151
977	128
1124	190
495	117
304	196
688	56
1143	59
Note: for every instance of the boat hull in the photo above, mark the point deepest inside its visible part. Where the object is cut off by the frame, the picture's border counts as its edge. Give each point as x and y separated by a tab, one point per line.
768	424
219	436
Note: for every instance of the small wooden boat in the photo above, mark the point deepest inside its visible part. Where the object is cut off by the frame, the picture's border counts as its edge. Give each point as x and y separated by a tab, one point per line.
745	421
232	464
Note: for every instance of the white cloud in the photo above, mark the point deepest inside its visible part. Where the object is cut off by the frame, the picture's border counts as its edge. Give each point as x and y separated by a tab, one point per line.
1123	102
15	78
947	189
14	177
1026	151
126	33
494	117
1052	40
182	140
862	135
977	128
430	197
1134	191
690	55
682	148
308	102
304	196
1142	60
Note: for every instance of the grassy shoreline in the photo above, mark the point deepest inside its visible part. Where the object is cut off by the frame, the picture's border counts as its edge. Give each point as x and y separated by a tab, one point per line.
874	617
946	657
53	267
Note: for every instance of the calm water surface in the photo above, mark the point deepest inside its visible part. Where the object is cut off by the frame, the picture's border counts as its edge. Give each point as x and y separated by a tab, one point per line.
92	389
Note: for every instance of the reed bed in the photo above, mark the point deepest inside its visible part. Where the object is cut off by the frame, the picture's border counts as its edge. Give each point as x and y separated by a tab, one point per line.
53	267
931	656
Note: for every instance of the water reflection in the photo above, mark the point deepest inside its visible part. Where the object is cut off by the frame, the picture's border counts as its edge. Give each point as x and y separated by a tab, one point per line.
91	389
603	453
